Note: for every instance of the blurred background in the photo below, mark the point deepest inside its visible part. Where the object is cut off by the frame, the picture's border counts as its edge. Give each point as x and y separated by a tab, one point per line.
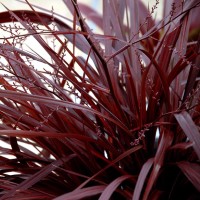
60	8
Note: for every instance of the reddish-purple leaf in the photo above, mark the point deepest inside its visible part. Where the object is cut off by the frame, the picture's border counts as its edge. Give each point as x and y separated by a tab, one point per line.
33	179
91	14
163	79
190	129
54	103
123	155
110	189
164	144
141	179
192	172
82	193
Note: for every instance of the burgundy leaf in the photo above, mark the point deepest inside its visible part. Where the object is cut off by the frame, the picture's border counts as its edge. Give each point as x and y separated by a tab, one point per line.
109	190
191	171
82	193
36	177
141	179
190	129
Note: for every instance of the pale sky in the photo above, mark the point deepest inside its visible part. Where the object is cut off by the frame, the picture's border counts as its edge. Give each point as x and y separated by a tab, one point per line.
60	7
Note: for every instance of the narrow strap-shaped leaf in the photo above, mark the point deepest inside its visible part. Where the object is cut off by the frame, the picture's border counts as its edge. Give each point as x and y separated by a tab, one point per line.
82	193
123	155
37	177
194	71
141	179
54	102
190	129
163	78
165	142
192	172
109	190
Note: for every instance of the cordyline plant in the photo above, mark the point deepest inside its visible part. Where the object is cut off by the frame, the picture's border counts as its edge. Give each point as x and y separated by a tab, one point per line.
107	115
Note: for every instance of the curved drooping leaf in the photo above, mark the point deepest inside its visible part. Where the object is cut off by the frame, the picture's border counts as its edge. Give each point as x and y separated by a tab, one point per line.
190	129
110	189
141	179
191	171
33	179
82	193
103	126
52	102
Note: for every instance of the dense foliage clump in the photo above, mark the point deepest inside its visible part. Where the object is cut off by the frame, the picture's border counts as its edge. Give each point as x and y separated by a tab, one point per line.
107	114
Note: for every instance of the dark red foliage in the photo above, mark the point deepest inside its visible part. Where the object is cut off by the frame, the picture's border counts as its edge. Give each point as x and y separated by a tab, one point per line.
108	114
